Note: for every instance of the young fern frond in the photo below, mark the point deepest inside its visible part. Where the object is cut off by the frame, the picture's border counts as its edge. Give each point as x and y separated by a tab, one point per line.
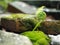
40	15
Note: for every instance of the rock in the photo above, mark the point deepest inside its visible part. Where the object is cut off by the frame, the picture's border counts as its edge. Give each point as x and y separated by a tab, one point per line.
55	40
21	7
51	27
7	38
20	22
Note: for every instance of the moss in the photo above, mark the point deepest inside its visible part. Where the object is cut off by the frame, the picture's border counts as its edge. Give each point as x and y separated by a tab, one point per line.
37	37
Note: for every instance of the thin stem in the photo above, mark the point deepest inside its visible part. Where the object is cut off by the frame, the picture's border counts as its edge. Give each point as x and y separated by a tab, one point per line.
37	25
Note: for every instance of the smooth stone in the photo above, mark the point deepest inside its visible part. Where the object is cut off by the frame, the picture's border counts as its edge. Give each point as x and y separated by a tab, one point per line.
7	38
55	39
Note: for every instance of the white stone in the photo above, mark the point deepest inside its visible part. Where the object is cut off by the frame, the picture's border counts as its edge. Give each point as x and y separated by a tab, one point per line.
55	40
7	38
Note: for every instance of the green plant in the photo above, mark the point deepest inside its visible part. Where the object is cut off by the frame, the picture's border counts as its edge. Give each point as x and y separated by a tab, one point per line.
40	15
4	3
38	37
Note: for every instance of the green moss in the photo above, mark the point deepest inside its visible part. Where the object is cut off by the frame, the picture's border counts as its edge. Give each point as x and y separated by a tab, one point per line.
37	37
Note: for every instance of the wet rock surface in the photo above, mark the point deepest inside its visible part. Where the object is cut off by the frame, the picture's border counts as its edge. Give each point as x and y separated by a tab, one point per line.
7	38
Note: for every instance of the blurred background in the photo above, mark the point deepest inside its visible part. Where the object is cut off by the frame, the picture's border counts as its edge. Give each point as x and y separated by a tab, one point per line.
52	7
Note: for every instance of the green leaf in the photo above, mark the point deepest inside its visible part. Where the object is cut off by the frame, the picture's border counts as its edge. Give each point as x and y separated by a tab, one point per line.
4	3
40	14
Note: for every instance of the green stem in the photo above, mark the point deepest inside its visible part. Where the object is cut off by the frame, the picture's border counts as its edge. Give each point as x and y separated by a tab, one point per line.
37	25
